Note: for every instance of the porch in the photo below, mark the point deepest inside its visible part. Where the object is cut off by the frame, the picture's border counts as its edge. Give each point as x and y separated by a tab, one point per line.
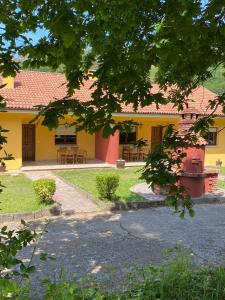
39	165
54	165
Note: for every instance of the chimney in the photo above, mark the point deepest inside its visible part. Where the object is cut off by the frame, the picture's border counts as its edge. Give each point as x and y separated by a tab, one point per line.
9	81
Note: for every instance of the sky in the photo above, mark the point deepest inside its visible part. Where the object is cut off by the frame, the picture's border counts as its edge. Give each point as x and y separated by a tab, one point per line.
35	36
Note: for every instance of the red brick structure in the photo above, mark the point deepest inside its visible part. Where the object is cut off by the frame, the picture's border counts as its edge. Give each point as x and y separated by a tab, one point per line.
194	177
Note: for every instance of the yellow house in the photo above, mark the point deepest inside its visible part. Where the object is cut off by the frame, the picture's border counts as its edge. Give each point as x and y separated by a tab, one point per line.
32	142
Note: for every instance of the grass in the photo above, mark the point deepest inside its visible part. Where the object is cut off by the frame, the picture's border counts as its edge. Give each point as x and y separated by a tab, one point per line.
85	179
178	278
221	184
18	195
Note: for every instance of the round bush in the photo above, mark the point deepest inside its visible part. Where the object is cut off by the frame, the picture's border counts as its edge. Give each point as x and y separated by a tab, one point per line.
106	185
45	189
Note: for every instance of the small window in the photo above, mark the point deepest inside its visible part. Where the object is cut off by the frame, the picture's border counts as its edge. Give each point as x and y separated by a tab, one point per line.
128	137
211	137
65	134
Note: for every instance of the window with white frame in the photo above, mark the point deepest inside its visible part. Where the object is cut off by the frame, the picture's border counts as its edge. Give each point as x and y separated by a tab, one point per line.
211	137
65	134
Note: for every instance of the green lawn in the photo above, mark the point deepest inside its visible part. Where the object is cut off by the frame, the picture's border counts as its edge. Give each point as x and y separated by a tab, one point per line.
85	179
18	195
221	169
221	184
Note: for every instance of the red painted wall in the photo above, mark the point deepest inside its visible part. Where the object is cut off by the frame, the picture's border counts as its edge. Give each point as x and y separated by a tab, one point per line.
107	149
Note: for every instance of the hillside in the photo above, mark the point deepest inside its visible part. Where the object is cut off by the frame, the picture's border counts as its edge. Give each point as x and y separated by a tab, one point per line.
217	82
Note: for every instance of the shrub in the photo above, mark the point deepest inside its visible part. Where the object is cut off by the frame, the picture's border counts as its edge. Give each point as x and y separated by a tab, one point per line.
107	185
45	189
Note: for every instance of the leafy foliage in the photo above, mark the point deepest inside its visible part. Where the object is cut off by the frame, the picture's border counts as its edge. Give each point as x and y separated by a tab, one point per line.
106	185
11	242
126	42
45	189
141	143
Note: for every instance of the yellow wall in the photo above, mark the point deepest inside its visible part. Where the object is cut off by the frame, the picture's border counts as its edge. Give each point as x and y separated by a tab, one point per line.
14	145
47	150
144	131
213	153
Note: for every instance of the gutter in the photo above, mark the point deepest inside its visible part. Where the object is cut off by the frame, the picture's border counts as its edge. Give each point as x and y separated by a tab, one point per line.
140	115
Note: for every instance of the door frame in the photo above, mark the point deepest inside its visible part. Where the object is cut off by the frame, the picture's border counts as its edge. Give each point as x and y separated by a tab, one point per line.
34	142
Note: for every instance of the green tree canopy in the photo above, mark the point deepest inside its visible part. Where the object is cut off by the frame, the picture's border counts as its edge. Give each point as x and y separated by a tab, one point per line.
183	39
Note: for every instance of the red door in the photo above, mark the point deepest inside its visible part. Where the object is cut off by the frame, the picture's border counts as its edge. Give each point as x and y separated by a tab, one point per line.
28	142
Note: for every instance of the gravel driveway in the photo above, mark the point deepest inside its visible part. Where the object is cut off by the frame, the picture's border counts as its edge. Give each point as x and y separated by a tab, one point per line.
102	245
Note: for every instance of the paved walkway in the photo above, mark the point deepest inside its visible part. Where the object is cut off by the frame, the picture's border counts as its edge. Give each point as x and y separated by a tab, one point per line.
221	177
71	201
107	246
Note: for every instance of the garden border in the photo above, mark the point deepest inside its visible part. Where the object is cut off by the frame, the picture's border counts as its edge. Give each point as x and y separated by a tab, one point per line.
115	206
55	210
209	198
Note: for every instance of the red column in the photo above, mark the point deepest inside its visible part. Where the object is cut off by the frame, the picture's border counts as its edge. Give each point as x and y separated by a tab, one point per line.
107	149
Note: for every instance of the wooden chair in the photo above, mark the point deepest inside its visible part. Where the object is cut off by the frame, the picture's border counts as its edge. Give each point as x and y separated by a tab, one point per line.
126	153
143	153
74	148
73	152
70	156
81	156
134	154
61	154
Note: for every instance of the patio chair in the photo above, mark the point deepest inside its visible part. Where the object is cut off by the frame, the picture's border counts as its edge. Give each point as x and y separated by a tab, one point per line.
72	154
74	148
134	154
126	153
81	156
61	154
143	153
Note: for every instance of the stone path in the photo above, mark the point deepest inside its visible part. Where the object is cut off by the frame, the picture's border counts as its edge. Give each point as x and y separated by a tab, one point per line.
221	177
145	191
71	200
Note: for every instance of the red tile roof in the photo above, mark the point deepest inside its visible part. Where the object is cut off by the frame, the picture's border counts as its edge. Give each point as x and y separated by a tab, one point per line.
34	88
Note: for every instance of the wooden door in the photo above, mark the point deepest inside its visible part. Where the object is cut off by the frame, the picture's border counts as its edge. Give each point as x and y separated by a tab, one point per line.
28	142
156	136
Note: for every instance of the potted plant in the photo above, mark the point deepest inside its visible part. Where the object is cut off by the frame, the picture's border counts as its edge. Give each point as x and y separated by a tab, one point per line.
141	143
120	163
219	163
2	166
